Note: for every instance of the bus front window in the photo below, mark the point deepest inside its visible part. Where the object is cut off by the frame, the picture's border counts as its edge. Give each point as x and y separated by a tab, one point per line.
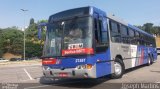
78	36
69	37
53	44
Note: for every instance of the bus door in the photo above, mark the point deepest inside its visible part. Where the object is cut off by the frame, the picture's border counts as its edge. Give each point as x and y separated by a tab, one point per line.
101	45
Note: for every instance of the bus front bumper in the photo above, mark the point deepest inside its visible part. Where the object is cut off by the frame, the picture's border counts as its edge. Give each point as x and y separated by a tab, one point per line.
70	73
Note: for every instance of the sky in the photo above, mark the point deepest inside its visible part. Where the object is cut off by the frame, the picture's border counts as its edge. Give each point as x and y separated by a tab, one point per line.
136	12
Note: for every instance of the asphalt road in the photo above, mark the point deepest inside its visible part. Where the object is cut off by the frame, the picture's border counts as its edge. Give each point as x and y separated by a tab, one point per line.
31	77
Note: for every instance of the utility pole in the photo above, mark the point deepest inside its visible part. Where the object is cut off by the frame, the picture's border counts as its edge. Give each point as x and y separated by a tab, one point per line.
24	53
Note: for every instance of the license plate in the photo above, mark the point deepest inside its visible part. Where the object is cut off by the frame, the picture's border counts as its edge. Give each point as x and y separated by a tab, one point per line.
63	74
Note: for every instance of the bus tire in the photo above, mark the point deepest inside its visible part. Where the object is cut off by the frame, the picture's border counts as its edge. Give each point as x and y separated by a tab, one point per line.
118	69
149	60
152	59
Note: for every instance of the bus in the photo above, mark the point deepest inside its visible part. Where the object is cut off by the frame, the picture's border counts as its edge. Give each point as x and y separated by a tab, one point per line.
87	42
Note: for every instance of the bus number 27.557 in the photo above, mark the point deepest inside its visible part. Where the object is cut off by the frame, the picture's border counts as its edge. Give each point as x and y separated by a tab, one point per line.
80	60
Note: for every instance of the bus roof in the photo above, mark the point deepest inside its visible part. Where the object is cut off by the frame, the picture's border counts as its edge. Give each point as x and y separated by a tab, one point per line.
69	13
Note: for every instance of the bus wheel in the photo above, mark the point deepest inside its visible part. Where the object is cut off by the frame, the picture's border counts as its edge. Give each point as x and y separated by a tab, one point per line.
152	61
118	69
149	61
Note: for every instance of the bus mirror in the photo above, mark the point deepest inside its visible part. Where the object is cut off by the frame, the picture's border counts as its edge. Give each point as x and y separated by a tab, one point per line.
40	29
39	32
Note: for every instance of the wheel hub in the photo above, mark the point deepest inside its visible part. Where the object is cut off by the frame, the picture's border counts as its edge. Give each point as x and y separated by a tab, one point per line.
118	68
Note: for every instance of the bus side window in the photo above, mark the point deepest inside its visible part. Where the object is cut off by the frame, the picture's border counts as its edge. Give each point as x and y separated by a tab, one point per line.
132	36
115	32
137	35
141	39
96	30
124	34
100	36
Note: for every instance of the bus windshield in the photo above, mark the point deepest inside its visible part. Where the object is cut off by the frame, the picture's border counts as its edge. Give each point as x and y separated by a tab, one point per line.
69	37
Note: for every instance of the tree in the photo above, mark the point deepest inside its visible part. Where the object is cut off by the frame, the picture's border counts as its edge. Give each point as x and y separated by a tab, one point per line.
1	43
31	21
12	41
33	49
157	30
34	46
148	27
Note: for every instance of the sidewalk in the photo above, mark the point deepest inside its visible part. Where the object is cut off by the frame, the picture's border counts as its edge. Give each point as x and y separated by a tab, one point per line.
20	63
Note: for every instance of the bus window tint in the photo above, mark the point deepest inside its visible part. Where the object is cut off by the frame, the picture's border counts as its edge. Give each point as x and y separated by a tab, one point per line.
142	42
132	36
96	30
137	37
104	37
101	37
103	33
124	34
115	33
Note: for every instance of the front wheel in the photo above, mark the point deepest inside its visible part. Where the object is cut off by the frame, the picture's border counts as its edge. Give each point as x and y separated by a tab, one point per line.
118	69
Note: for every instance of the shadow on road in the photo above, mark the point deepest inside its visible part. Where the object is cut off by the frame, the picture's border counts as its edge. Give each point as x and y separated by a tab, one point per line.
135	68
74	83
155	71
83	83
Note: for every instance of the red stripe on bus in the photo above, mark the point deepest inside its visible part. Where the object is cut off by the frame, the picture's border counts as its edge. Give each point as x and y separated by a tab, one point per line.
49	61
142	56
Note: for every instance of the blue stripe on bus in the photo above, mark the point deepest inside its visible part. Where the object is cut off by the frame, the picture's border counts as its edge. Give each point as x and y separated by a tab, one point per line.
103	68
143	54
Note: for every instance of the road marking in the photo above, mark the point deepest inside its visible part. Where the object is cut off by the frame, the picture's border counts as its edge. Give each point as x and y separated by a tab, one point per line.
36	87
27	74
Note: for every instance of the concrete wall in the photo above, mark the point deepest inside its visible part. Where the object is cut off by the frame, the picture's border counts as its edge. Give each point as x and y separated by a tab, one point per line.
158	41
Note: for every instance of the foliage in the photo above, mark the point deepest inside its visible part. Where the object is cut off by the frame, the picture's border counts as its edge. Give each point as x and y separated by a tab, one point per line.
34	46
31	21
33	49
11	41
1	43
150	28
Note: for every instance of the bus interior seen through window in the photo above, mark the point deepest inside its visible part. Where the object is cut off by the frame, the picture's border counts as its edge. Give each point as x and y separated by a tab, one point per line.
101	37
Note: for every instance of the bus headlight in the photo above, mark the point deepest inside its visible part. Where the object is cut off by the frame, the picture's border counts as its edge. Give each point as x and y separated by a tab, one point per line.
87	66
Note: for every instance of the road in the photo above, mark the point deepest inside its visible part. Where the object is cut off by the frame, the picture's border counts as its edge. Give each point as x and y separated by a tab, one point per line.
31	77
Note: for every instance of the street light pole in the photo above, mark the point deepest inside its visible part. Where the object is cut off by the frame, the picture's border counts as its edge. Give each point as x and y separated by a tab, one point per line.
24	53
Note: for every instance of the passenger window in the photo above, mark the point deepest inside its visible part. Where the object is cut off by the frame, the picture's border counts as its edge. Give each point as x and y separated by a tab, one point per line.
142	39
132	36
115	32
124	34
96	30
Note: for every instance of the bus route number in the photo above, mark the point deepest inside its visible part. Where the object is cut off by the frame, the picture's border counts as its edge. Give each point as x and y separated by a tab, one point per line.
80	60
